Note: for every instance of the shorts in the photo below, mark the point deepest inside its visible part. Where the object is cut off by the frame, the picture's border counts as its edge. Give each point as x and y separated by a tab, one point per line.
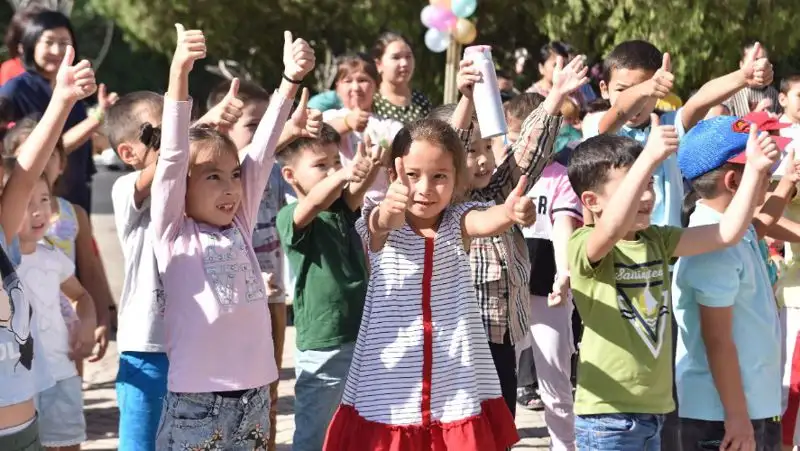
60	409
141	388
25	439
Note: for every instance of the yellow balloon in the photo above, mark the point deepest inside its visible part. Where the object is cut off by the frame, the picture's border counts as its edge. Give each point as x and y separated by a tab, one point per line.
444	4
465	32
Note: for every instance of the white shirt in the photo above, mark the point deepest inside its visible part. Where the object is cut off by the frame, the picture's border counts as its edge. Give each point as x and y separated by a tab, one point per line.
141	306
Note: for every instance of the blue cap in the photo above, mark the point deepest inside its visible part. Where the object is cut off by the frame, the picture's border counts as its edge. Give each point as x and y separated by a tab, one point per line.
712	143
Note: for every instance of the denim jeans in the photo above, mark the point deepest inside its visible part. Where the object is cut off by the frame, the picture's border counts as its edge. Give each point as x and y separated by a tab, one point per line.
694	433
619	432
141	387
213	421
321	374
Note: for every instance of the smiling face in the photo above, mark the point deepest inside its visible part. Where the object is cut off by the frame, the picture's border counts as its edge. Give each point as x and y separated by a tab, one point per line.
214	187
356	89
597	201
622	79
396	65
49	50
37	221
432	174
480	162
311	165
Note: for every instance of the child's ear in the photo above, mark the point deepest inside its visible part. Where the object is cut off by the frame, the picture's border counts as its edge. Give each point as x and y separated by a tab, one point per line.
126	154
782	99
288	174
603	89
731	180
590	201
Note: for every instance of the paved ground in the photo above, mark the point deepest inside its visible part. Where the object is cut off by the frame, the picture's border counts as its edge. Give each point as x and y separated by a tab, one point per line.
100	400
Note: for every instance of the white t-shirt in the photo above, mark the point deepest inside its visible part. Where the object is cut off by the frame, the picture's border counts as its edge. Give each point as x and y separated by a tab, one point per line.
141	305
42	274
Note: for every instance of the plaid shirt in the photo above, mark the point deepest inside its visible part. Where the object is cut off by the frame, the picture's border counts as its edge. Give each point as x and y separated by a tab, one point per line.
500	265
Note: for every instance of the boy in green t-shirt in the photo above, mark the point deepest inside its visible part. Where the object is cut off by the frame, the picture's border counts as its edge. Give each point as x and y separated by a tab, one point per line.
620	282
327	257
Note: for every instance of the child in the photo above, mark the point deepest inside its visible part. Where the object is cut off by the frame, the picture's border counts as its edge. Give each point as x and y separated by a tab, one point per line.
204	204
789	99
746	100
433	384
22	376
331	279
619	272
725	308
513	110
132	126
45	273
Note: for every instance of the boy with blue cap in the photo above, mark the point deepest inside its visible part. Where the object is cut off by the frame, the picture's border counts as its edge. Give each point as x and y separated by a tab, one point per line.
728	356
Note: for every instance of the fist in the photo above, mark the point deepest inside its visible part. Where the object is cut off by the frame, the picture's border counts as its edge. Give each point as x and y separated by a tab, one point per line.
358	120
467	76
190	48
663	140
661	83
361	167
298	57
761	151
74	83
519	207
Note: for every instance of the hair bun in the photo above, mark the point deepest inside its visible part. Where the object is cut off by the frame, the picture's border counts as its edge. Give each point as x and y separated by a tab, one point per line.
150	136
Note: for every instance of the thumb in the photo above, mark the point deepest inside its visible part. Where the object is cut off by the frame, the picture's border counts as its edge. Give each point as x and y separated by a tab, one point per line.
400	169
519	190
753	133
69	57
763	105
361	150
559	63
303	105
180	29
287	41
101	91
790	155
234	89
753	54
654	120
666	63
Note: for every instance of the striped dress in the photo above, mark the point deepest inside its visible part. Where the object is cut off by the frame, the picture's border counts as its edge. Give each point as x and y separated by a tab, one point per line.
422	376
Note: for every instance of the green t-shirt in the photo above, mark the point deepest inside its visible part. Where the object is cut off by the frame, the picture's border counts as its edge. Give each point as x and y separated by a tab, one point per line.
327	258
624	302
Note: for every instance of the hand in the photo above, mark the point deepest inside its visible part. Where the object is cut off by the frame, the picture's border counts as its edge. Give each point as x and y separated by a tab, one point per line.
357	120
467	76
568	79
661	84
361	166
305	123
381	153
560	294
86	342
763	105
519	207
74	339
663	140
792	173
191	47
298	57
101	342
756	68
224	115
398	197
74	83
104	99
762	152
739	435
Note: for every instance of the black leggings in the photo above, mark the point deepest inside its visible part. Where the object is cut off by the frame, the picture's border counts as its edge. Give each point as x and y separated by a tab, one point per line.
505	362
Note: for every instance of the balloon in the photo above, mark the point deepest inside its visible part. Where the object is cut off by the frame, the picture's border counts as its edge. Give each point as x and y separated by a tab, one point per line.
444	4
464	31
436	41
464	8
438	18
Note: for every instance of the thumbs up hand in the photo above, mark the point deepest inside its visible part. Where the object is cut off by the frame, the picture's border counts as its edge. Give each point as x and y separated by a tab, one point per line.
190	48
305	123
398	198
663	140
661	84
761	150
361	166
227	112
74	83
519	207
756	68
298	57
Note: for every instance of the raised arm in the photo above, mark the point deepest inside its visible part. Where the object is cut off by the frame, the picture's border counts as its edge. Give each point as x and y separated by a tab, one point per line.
304	123
762	153
362	173
771	211
467	76
756	70
517	209
168	192
620	212
77	136
633	99
73	83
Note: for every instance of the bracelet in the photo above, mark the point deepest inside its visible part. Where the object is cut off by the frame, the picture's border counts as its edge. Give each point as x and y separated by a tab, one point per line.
98	114
290	80
347	124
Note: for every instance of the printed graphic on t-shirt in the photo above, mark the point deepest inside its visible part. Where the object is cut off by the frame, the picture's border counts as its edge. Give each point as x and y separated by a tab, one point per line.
643	301
15	316
224	258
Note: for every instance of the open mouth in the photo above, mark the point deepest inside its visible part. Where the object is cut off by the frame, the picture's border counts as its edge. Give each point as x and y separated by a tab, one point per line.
38	227
226	207
424	203
482	173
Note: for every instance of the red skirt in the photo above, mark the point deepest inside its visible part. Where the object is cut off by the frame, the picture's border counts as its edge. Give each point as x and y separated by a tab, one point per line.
491	430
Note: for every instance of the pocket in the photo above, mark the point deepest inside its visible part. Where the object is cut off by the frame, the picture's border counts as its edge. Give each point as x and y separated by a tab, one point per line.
608	423
192	409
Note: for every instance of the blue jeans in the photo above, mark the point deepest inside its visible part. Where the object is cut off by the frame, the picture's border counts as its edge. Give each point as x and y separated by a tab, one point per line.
321	374
215	421
141	387
619	432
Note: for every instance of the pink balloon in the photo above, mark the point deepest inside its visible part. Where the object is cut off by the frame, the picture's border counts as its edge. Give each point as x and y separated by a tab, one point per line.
438	18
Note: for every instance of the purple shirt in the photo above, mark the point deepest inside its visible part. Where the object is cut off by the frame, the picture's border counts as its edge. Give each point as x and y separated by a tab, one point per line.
219	334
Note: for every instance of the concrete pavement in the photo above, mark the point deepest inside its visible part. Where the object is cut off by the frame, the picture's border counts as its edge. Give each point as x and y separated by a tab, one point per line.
100	398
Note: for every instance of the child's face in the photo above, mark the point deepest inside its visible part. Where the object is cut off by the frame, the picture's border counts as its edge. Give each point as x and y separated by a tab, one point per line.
37	221
546	68
622	79
50	48
312	165
596	201
356	90
791	102
214	188
397	63
480	162
243	130
431	171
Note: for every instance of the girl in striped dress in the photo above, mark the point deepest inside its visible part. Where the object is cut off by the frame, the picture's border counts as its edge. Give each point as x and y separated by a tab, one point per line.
422	376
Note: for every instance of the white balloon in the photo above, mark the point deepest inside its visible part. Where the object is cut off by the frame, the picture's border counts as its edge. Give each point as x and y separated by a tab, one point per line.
437	41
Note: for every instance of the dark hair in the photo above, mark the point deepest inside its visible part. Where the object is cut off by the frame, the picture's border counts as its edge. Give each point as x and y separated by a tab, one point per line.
38	24
206	137
384	40
787	81
594	158
521	106
124	120
557	48
17	27
327	135
354	62
249	92
438	133
597	105
635	55
706	186
20	132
